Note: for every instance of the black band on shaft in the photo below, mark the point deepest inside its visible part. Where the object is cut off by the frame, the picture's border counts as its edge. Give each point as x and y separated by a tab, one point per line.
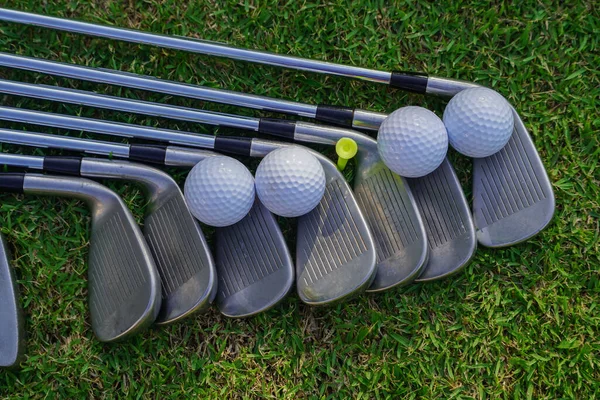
415	82
11	182
343	116
63	165
233	144
277	127
148	153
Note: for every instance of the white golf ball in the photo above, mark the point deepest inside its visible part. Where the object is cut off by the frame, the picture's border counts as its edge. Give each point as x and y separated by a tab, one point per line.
412	141
290	181
219	191
479	122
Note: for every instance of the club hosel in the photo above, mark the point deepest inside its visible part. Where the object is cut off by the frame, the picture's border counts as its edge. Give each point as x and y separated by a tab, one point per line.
262	147
369	120
313	133
154	181
185	157
95	195
444	87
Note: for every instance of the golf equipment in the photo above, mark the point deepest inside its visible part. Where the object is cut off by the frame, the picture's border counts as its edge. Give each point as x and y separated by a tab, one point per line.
181	254
220	191
335	252
12	334
346	149
479	122
412	141
124	286
392	214
512	195
290	181
254	266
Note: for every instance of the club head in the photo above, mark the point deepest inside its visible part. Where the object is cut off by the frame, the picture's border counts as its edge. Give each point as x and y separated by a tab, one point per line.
512	195
179	248
255	268
448	222
335	254
124	286
392	215
12	341
254	265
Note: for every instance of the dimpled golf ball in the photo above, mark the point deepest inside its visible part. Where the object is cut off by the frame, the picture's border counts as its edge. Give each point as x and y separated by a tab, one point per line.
219	191
412	141
479	122
290	181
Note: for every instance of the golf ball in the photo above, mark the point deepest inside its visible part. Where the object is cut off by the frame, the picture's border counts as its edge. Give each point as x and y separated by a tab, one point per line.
219	191
412	141
290	181
479	122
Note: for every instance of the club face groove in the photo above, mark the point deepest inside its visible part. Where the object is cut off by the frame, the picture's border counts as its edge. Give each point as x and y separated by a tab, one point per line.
255	269
512	195
335	254
182	257
448	222
120	287
396	224
11	328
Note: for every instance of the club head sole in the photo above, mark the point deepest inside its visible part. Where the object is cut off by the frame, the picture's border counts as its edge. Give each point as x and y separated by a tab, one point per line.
397	227
12	341
335	256
512	195
254	266
448	222
183	259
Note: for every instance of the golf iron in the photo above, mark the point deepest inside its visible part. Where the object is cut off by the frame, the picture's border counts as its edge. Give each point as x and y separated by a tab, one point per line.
255	269
512	194
178	246
388	204
335	252
124	286
12	334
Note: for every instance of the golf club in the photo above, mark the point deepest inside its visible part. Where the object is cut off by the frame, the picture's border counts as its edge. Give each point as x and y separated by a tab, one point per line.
12	342
178	246
254	265
335	251
124	286
389	207
512	194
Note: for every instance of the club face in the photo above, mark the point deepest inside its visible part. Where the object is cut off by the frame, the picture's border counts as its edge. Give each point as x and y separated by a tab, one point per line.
11	328
448	222
512	195
392	215
124	286
122	291
335	254
182	256
254	265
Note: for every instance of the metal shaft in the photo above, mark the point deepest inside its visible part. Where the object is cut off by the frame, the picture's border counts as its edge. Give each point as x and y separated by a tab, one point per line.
195	46
65	142
111	128
126	79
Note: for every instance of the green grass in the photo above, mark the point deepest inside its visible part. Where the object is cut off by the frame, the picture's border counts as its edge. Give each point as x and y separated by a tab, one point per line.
521	322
